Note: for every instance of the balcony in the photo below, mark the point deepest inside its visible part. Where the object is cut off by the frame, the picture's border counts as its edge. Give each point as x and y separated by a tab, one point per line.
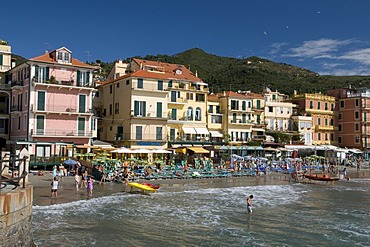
60	109
16	108
151	115
61	133
61	82
324	128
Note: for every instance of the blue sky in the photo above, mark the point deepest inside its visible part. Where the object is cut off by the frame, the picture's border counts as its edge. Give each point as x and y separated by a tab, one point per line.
325	36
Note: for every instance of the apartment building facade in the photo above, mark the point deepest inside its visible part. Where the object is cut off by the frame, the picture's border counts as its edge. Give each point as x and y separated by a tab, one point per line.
51	102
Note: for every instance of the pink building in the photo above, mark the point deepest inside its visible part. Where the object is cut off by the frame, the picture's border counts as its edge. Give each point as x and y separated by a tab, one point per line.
51	101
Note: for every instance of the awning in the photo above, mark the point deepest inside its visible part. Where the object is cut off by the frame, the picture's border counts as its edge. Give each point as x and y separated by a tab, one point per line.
189	130
199	150
215	133
202	131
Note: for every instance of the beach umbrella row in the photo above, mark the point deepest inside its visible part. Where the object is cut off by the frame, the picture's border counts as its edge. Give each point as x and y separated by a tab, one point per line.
140	151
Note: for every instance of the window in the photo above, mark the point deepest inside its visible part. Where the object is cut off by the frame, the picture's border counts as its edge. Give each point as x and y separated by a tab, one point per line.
258	104
60	55
357	115
198	114
319	121
326	106
174	114
116	108
159	109
190	96
189	113
244	118
210	109
311	105
341	103
332	107
83	79
39	125
339	127
218	109
41	101
319	136
200	97
25	120
41	74
318	105
172	134
234	105
169	84
82	103
326	121
127	82
110	109
117	85
357	127
357	102
19	122
271	109
216	119
110	89
244	105
140	83
158	133
139	132
339	139
357	139
160	85
139	108
81	126
340	116
234	118
66	57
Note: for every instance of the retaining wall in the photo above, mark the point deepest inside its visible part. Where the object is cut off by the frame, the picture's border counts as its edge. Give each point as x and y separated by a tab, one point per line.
15	217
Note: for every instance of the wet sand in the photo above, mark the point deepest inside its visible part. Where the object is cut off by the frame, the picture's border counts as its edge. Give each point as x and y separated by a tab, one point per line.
67	190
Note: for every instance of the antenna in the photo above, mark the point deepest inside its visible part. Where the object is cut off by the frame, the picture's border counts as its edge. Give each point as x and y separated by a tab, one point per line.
49	45
88	56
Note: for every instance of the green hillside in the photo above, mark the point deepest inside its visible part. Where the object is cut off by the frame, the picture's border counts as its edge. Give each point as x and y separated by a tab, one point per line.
253	73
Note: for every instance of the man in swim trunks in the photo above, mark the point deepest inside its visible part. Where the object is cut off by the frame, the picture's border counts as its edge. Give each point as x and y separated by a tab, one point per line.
249	204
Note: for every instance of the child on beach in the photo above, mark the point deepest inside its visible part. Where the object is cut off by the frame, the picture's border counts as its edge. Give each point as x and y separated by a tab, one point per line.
90	186
54	187
77	181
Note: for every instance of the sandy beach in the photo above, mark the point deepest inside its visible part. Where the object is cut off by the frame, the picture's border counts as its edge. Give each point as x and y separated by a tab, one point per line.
67	190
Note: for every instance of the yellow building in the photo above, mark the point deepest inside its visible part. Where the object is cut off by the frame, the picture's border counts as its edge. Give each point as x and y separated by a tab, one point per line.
243	117
152	102
215	119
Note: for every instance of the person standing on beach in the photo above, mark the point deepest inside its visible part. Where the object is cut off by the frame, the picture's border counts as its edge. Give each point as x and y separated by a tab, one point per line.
90	186
54	187
249	204
77	181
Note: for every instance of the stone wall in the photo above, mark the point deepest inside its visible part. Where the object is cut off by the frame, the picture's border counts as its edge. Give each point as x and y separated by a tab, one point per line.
15	217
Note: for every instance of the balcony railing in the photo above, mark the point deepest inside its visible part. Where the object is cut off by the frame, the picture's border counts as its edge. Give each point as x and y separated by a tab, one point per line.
61	108
63	133
324	128
63	82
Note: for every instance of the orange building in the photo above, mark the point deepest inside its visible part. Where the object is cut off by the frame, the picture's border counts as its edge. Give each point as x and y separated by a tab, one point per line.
322	109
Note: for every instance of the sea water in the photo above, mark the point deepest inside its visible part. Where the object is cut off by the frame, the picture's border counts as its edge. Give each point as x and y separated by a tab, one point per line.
191	215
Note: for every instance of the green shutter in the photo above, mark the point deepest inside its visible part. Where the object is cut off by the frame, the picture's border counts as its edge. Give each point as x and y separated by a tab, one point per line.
41	101
81	126
78	77
1	59
40	125
144	109
47	74
159	109
36	72
82	103
87	77
136	108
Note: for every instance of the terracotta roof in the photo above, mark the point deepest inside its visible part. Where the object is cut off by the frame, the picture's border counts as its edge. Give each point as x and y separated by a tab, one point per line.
241	95
47	58
212	97
165	71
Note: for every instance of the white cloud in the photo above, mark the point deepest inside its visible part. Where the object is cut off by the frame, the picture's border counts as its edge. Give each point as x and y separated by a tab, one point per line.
322	48
362	56
365	71
276	48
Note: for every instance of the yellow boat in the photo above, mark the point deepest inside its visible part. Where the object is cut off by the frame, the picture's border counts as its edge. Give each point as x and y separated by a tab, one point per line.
144	188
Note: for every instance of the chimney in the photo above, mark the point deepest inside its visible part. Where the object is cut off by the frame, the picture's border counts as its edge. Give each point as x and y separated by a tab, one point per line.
196	73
